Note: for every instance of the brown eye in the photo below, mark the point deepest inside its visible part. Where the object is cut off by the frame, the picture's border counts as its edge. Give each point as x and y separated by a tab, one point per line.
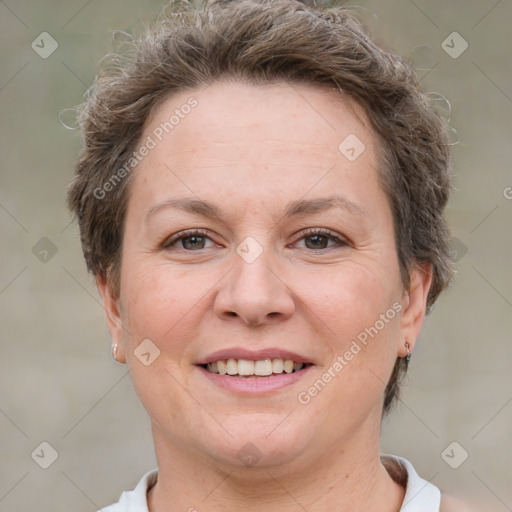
318	239
317	242
193	242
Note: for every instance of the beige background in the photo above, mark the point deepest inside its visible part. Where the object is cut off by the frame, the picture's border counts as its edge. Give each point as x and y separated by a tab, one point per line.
57	381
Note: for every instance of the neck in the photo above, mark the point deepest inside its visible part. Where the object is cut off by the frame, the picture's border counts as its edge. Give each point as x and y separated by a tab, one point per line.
347	478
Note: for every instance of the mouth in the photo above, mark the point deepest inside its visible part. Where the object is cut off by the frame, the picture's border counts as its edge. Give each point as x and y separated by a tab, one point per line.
254	372
254	369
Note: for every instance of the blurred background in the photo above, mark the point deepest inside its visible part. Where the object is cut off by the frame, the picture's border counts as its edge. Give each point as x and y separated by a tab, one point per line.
73	434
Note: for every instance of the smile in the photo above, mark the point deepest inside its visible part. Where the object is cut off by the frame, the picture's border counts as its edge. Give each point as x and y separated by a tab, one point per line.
246	368
254	372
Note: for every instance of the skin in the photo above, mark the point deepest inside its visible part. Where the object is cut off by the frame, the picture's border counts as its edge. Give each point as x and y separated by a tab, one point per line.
251	150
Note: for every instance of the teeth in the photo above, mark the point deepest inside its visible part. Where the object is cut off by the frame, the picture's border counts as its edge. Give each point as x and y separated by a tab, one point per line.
277	365
246	367
263	368
231	367
221	367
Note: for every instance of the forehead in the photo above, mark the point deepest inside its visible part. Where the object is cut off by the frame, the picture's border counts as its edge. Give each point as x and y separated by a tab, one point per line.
274	134
278	112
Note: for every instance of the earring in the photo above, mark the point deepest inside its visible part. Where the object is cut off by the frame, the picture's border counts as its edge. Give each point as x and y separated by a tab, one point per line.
408	356
114	352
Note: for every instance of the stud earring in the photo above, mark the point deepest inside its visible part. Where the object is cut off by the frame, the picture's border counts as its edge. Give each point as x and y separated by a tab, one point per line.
114	352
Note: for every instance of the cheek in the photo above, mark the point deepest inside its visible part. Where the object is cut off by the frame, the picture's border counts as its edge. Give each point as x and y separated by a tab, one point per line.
160	307
352	298
361	309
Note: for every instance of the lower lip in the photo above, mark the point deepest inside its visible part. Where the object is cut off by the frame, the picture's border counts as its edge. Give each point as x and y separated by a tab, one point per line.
259	385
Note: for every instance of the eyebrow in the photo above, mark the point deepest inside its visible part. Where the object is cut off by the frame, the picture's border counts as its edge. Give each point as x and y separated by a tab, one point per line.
293	209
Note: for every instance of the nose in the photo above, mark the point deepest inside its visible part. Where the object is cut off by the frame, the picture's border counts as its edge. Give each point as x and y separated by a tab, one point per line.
254	293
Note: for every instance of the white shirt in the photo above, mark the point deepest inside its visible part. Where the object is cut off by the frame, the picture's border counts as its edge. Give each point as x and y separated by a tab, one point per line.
420	495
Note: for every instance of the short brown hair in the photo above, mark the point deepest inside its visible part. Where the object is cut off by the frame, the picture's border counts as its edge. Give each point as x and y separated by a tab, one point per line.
266	41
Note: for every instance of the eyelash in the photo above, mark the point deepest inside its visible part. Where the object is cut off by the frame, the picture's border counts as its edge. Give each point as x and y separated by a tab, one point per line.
168	243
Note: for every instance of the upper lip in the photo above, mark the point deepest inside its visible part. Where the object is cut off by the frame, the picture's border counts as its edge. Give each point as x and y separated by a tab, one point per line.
253	355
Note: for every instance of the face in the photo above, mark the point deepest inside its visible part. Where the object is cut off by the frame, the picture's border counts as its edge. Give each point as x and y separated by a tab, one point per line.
257	230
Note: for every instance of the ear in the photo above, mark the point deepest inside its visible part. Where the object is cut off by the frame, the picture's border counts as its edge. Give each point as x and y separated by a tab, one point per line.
415	305
113	316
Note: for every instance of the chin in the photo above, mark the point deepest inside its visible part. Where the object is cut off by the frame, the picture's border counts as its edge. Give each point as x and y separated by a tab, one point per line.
258	442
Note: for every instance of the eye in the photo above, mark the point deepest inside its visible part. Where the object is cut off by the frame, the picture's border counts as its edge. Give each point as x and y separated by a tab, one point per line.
197	239
318	238
193	239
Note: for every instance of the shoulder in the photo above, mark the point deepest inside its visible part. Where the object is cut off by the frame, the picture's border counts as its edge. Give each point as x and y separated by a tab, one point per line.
453	504
135	500
420	495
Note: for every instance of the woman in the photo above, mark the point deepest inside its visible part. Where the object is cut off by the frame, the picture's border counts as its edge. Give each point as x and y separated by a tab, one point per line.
260	197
